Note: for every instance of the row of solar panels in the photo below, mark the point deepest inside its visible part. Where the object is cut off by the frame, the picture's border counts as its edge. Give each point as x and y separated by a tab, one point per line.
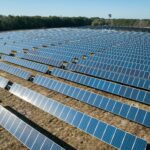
118	51
115	64
111	68
96	40
51	55
25	133
130	48
107	86
25	63
118	69
108	41
124	110
40	59
109	134
55	53
110	87
131	65
120	58
121	109
15	71
93	58
106	53
101	54
113	76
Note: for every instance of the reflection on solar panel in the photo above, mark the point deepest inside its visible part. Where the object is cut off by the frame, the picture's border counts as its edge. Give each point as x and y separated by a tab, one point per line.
113	76
26	63
108	104
26	134
101	130
15	71
3	82
114	88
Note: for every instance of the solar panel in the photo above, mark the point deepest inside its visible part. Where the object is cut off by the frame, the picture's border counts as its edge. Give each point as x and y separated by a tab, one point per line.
57	53
99	129
93	99
44	60
120	78
117	69
15	71
119	61
26	134
118	56
114	88
3	82
94	61
26	63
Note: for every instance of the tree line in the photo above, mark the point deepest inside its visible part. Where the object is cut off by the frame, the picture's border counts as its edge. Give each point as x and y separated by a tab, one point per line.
122	22
35	22
27	22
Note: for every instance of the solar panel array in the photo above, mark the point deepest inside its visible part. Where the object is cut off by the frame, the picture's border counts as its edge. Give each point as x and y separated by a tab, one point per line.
99	129
139	65
28	64
26	134
124	110
105	60
99	101
15	71
114	88
120	69
40	59
113	76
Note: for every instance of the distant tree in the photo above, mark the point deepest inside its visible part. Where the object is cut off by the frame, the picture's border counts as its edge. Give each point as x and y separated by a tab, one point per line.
110	20
109	15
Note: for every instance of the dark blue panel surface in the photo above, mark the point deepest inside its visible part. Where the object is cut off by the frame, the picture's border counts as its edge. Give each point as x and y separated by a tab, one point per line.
128	142
84	122
108	134
47	145
124	110
100	130
110	105
132	113
92	126
117	139
147	119
77	119
117	107
39	141
31	138
64	113
139	144
71	116
140	116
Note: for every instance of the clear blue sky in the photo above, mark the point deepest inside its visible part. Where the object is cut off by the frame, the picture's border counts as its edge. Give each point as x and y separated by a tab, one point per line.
89	8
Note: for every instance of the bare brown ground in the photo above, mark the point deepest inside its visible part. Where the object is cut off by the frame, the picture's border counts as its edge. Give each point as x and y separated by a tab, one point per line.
72	136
